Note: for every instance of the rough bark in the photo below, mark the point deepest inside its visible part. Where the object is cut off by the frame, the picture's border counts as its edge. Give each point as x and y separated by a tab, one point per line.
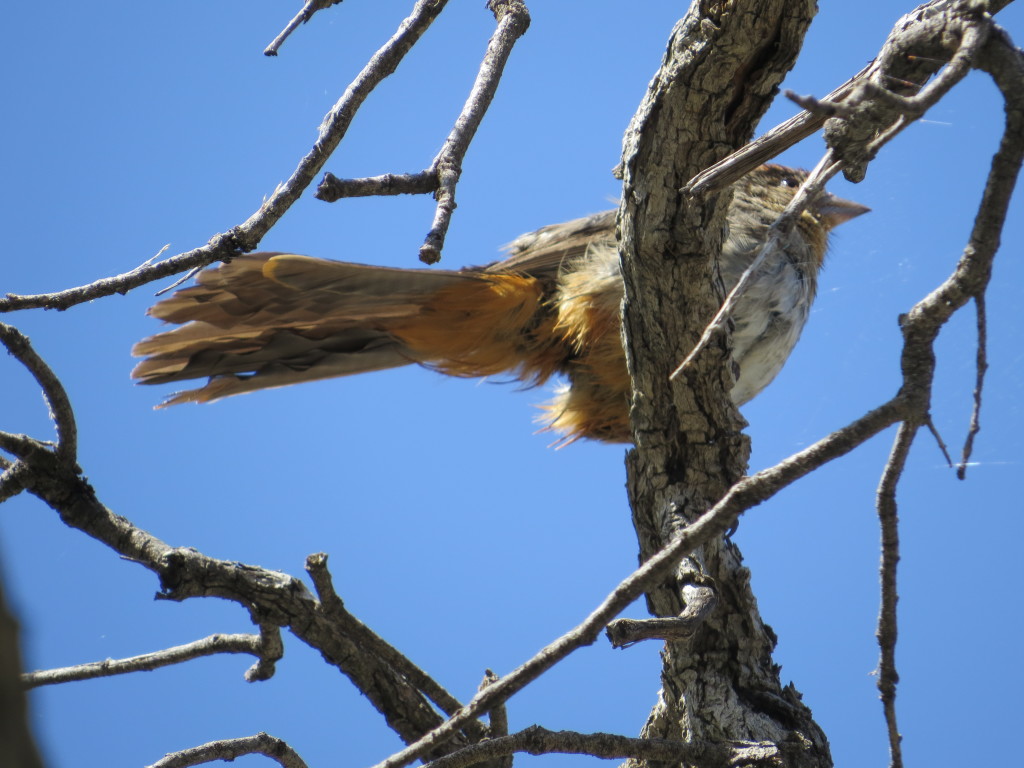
723	65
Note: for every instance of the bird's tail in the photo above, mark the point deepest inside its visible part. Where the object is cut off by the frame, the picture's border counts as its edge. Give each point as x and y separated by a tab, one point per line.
270	320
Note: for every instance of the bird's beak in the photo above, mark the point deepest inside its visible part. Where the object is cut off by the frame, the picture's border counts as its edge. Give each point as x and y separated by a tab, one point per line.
835	210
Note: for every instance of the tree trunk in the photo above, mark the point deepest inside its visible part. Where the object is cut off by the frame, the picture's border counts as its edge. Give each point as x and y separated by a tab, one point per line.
723	66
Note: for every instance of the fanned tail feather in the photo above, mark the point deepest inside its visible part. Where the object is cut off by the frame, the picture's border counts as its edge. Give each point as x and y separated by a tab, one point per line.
271	320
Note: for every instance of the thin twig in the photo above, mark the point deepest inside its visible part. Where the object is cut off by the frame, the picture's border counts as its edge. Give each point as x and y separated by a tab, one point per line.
246	236
232	749
930	423
273	598
183	279
220	246
980	366
782	225
371	642
56	396
887	620
780	138
822	108
146	662
513	21
914	107
799	127
304	15
442	177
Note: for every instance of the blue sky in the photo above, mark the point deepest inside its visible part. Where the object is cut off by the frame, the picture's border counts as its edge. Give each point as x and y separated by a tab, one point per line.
454	531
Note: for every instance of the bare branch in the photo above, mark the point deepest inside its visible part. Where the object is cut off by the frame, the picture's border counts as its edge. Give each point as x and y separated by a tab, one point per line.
776	141
448	174
11	481
304	15
247	235
513	21
279	599
745	494
276	599
920	328
1006	64
270	651
220	246
442	177
822	108
953	29
271	598
232	749
895	72
147	662
930	423
536	740
183	572
700	601
331	188
913	107
497	717
61	413
370	642
981	366
887	620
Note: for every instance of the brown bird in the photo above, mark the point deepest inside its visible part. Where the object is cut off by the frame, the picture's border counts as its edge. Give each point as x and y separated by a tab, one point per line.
272	319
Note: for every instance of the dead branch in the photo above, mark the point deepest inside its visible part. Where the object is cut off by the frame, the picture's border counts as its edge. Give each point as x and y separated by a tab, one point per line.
276	599
980	367
371	642
17	343
246	236
273	599
231	749
536	740
700	601
513	21
442	177
208	646
497	721
901	73
304	15
813	185
887	631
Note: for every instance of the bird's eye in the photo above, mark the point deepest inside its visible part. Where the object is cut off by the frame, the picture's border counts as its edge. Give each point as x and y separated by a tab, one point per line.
788	181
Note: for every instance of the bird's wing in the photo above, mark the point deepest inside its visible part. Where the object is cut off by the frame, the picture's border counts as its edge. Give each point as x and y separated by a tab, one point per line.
545	252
